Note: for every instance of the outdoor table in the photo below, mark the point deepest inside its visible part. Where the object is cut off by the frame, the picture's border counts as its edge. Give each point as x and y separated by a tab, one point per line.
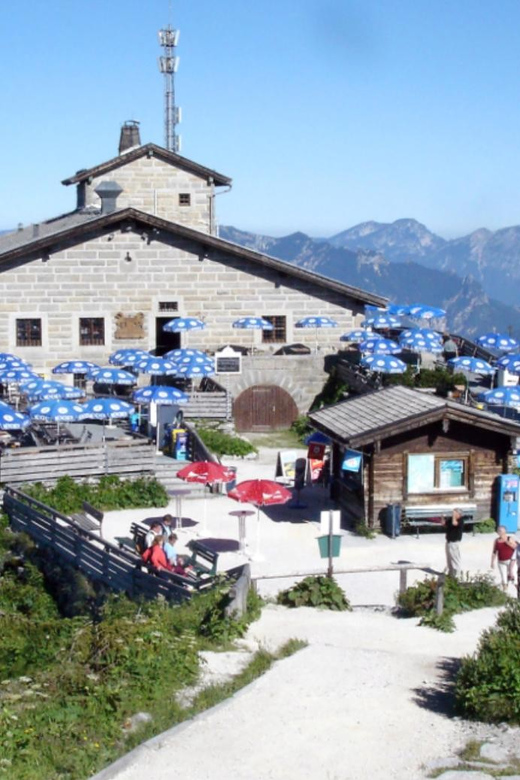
242	514
177	495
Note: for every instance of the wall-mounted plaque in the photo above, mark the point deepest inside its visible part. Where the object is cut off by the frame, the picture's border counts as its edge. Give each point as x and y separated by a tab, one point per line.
227	361
129	326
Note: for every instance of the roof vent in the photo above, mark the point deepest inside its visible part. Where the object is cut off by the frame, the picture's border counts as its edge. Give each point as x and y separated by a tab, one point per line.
108	192
130	137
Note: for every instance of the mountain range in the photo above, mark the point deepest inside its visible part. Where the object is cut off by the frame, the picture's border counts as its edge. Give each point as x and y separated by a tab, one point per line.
475	278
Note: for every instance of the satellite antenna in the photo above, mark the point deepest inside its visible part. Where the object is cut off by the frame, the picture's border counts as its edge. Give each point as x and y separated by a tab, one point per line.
168	64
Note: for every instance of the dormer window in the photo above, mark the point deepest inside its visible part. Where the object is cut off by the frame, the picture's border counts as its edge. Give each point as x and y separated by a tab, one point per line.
184	199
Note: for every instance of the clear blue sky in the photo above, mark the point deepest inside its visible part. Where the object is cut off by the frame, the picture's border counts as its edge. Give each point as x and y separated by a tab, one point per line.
325	113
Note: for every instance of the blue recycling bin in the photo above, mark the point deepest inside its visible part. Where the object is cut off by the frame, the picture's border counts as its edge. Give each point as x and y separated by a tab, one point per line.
393	520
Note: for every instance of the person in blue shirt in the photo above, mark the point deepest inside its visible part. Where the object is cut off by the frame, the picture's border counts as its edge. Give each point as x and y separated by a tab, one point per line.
169	549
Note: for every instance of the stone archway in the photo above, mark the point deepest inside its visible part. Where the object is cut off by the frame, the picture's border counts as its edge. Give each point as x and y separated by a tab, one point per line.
264	408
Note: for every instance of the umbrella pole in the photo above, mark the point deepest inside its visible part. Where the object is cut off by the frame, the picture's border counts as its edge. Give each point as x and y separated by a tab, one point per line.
257	555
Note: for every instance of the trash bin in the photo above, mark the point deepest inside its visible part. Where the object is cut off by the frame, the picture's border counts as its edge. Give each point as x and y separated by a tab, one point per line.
393	520
232	482
323	542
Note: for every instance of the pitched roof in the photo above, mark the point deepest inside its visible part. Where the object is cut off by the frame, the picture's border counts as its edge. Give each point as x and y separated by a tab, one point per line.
149	150
78	225
382	413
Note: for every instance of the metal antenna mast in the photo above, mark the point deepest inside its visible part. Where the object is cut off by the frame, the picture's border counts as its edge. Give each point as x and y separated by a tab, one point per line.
168	64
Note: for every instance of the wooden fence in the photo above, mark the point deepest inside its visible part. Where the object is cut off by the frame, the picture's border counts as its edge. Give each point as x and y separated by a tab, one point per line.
97	559
128	458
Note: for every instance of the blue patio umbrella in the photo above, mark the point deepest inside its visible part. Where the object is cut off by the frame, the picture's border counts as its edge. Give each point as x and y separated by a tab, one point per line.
498	341
418	343
252	324
49	389
11	420
16	376
420	311
427	333
316	322
106	409
75	367
510	363
112	376
196	367
155	366
317	437
12	364
371	310
502	396
384	364
382	321
57	411
182	352
379	346
397	309
357	335
8	357
127	357
472	365
162	395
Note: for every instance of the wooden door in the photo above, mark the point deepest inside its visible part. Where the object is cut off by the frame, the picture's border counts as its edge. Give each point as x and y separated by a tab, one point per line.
264	408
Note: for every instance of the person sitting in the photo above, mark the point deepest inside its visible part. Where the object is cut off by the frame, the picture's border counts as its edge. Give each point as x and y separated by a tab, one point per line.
168	525
169	549
155	530
182	566
155	555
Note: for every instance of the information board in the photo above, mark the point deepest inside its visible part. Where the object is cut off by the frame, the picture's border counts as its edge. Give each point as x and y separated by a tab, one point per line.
227	361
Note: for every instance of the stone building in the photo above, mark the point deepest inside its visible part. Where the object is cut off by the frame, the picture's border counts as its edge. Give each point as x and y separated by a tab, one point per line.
140	249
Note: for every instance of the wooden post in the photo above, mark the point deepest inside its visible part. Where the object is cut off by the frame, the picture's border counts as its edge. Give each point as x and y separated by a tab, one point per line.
330	571
439	594
403	580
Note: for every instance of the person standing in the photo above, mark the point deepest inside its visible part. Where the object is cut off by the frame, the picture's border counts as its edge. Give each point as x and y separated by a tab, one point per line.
504	551
454	527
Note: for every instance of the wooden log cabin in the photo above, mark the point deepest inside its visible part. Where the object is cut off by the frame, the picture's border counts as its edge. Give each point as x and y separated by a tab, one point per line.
416	450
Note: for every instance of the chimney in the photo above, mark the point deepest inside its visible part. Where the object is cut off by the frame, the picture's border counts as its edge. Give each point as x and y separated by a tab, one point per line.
108	192
129	138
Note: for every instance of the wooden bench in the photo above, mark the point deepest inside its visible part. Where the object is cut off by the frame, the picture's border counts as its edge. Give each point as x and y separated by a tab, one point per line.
90	519
434	515
203	559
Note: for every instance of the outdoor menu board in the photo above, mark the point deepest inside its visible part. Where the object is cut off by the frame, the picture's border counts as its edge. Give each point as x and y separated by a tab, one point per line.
227	361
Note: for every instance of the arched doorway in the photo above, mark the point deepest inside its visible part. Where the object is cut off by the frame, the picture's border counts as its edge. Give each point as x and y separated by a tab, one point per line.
264	408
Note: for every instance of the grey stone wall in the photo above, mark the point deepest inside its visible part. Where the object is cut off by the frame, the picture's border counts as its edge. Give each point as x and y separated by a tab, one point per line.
121	272
154	186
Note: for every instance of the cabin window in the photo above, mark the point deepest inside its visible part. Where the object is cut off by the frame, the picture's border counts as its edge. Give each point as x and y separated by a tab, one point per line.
184	199
279	331
29	333
168	306
429	473
91	331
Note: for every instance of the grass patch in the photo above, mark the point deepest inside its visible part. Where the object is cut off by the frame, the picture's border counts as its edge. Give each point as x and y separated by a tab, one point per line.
276	440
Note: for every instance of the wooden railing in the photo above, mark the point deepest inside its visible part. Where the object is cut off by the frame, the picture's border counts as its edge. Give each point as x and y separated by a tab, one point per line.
128	458
97	559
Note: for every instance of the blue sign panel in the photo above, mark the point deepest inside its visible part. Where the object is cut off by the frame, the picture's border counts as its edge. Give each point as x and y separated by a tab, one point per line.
352	461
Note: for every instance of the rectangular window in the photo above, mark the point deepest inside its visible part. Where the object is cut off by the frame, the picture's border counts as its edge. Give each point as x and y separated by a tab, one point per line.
279	331
430	473
91	331
29	333
184	199
168	306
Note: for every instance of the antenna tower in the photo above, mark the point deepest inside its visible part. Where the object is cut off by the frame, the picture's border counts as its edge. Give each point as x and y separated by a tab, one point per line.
168	64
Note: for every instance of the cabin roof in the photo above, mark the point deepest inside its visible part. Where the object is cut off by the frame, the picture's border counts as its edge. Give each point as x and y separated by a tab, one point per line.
374	416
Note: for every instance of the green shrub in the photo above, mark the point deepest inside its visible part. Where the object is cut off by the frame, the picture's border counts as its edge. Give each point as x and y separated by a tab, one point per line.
317	591
488	683
110	493
301	426
460	595
333	391
224	444
362	529
487	526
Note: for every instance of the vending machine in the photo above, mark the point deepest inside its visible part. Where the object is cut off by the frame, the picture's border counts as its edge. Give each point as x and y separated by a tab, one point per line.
507	510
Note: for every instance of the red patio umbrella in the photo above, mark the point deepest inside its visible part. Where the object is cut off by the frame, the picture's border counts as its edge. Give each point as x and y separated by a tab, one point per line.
260	492
206	472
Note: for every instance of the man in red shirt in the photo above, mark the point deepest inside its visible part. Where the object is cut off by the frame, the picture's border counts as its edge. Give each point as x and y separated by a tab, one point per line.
503	550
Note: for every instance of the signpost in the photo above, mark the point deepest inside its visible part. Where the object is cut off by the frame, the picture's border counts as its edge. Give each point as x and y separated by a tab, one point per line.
330	541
